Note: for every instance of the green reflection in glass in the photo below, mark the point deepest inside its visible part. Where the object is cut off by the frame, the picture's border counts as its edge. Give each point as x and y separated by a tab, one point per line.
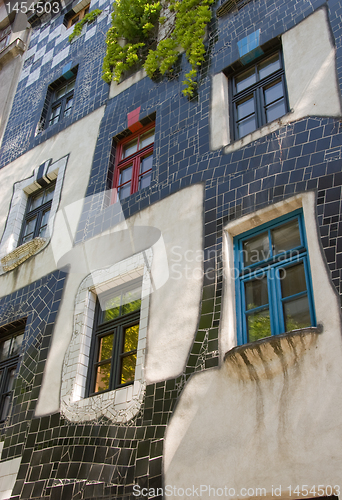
111	308
258	325
297	314
131	338
102	377
106	347
128	368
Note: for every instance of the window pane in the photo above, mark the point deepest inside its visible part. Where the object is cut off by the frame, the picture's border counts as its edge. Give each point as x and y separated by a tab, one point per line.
297	314
275	111
10	379
111	308
128	368
292	280
106	347
5	349
256	249
48	193
273	93
124	191
44	223
70	85
131	338
102	377
37	200
146	139
245	80
16	344
146	164
145	180
268	67
130	148
258	325
245	108
68	106
125	175
131	300
55	114
5	407
247	126
29	229
286	237
256	293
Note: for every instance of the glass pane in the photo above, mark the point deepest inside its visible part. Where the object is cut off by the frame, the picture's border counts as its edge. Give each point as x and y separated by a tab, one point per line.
268	67
29	229
130	148
128	368
102	377
55	114
10	379
145	180
125	175
44	223
275	111
247	126
75	20
297	314
245	80
68	106
131	338
146	139
5	407
292	280
106	347
5	349
131	300
274	92
146	164
245	108
256	249
16	344
111	308
286	237
256	293
258	325
70	85
124	191
37	200
48	193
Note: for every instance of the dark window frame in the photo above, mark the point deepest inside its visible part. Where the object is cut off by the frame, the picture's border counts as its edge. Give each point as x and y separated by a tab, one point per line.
257	91
102	329
36	212
61	101
270	268
122	163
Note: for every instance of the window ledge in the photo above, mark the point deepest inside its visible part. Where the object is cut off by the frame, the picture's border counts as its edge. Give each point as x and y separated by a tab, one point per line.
266	358
22	253
17	47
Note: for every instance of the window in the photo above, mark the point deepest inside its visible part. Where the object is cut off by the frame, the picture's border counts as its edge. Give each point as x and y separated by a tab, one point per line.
10	347
5	36
62	102
73	18
133	170
259	95
274	292
37	214
115	341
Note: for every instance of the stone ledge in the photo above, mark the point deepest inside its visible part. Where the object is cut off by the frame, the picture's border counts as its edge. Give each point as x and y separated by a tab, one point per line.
22	253
11	51
265	358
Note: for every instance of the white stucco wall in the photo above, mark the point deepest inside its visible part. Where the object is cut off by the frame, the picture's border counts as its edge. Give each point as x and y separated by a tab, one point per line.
311	78
269	416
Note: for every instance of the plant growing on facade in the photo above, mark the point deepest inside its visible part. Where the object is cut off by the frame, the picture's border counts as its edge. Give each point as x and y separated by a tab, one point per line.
88	18
139	33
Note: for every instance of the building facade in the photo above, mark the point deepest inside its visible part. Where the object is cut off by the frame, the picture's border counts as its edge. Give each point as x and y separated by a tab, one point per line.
170	273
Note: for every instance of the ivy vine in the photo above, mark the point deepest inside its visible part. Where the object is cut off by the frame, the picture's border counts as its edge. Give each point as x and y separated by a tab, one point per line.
154	34
88	18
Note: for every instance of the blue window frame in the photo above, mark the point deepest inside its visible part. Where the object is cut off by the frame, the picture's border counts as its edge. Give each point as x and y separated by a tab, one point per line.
274	293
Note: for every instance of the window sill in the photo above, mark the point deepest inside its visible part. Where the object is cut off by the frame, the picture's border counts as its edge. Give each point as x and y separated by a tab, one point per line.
14	49
266	358
22	253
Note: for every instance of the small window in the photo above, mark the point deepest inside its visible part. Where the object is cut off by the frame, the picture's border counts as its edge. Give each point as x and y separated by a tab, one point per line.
274	291
5	36
73	18
10	348
134	161
115	341
259	95
62	102
37	214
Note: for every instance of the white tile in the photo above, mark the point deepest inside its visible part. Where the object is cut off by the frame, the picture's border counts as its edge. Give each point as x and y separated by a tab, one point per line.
30	52
60	56
47	57
44	34
33	77
25	73
55	33
39	53
90	33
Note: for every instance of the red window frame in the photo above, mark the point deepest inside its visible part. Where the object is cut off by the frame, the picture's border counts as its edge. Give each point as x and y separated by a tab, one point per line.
133	159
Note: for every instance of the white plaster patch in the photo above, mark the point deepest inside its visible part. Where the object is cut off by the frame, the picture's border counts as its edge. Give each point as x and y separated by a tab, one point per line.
90	33
44	34
47	57
39	53
33	77
60	56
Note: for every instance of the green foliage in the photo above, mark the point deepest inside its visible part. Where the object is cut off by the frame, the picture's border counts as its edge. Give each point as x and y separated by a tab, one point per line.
88	18
133	37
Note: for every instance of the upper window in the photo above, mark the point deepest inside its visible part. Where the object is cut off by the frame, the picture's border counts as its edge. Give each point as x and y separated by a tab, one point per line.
10	347
274	292
115	340
5	36
75	18
62	101
258	95
133	170
37	214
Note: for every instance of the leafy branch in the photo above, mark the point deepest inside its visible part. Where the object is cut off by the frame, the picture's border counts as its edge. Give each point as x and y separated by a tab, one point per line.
88	18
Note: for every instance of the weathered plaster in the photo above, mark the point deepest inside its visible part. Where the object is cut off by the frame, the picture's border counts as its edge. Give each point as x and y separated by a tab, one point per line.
276	403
